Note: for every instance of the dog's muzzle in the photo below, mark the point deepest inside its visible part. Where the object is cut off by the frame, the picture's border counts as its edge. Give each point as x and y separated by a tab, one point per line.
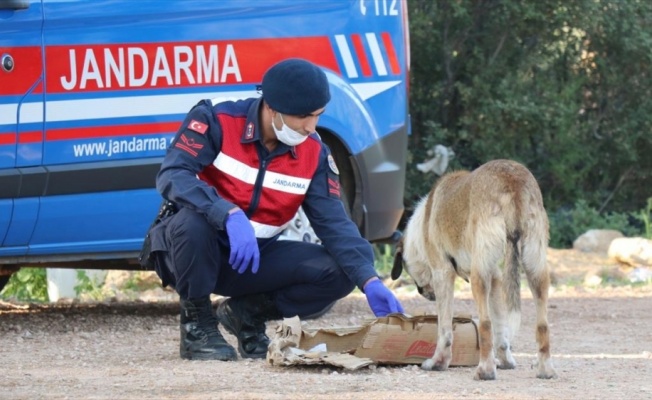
428	294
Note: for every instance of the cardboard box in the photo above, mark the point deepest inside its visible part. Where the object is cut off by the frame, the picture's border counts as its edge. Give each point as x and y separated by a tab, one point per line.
394	339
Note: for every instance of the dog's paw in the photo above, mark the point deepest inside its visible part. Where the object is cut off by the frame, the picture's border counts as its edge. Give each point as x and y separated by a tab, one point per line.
508	363
486	370
545	370
547	375
428	364
482	374
432	365
504	358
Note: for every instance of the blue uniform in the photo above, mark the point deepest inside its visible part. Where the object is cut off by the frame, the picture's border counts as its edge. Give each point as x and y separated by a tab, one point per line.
192	247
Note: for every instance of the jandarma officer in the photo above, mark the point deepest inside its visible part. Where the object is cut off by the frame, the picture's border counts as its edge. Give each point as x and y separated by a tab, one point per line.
238	172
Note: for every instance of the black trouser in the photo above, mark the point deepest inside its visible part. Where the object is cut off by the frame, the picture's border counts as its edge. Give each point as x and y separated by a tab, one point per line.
302	277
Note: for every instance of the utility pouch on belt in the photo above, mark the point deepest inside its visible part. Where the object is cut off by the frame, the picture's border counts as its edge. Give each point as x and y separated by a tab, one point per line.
146	257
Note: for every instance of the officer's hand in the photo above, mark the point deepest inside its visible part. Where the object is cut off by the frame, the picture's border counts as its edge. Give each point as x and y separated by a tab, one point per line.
244	247
380	299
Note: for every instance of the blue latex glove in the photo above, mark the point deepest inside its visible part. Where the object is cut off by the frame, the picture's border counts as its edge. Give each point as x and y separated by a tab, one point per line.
380	299
242	239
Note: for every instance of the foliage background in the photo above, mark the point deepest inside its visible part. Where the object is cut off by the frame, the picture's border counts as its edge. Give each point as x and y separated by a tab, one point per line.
562	86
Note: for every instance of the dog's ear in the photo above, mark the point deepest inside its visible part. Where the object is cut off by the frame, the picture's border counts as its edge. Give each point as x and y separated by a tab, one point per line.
397	268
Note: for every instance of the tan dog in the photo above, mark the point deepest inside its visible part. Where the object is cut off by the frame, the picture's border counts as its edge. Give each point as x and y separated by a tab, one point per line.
481	226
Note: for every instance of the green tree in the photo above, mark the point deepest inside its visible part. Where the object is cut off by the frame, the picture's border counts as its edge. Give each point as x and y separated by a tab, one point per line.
562	86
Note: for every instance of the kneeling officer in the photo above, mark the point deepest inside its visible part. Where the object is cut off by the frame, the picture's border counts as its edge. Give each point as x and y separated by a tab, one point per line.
236	173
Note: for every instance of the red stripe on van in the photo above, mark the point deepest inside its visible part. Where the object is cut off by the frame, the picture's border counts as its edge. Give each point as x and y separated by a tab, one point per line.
391	53
90	132
7	138
362	56
30	137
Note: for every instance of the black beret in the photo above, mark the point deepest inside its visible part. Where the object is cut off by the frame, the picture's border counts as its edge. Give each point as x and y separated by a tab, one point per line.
295	87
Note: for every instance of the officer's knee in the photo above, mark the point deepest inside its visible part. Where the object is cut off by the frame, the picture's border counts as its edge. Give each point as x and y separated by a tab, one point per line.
190	224
347	287
337	280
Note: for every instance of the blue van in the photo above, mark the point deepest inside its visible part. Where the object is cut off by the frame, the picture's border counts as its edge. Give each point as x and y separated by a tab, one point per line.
92	93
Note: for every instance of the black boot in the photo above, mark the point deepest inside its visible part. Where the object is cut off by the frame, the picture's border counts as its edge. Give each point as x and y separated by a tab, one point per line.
245	317
200	339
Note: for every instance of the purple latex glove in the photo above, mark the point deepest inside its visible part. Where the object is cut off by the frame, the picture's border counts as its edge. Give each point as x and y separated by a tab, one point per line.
381	300
244	246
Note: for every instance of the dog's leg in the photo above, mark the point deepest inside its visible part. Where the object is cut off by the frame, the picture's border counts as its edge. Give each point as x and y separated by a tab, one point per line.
538	275
501	330
443	282
487	252
506	302
487	366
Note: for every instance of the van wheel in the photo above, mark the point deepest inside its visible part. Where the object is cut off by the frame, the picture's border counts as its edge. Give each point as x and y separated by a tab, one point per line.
6	271
300	229
3	281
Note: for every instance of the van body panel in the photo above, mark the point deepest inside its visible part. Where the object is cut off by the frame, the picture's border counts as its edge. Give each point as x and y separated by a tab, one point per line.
21	120
105	84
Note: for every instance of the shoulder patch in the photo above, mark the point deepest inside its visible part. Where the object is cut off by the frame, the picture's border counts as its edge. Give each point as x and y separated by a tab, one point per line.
332	165
197	126
334	187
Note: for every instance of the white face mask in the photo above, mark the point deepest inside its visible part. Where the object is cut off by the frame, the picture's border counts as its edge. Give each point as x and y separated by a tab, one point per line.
288	135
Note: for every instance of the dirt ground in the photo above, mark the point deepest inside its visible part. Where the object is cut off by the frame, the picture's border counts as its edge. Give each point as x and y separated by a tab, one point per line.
601	344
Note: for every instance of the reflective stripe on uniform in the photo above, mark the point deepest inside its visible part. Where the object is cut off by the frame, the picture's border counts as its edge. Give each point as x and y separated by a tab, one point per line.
273	180
267	231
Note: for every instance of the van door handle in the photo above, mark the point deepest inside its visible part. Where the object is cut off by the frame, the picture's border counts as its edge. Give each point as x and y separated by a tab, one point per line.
7	63
14	4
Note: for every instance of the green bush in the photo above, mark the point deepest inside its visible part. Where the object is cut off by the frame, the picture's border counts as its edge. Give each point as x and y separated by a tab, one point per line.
89	288
384	259
645	216
567	224
561	86
28	284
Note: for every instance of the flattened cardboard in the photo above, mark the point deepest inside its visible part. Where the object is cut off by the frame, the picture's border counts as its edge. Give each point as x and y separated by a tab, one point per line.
284	350
398	339
394	339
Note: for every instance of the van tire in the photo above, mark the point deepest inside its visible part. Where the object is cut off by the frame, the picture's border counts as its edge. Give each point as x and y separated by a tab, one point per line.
4	279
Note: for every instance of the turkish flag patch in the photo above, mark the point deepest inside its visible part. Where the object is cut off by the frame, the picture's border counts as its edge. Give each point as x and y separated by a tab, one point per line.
197	126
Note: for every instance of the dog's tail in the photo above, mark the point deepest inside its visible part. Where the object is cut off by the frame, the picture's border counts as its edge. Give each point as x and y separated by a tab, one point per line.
512	283
527	238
